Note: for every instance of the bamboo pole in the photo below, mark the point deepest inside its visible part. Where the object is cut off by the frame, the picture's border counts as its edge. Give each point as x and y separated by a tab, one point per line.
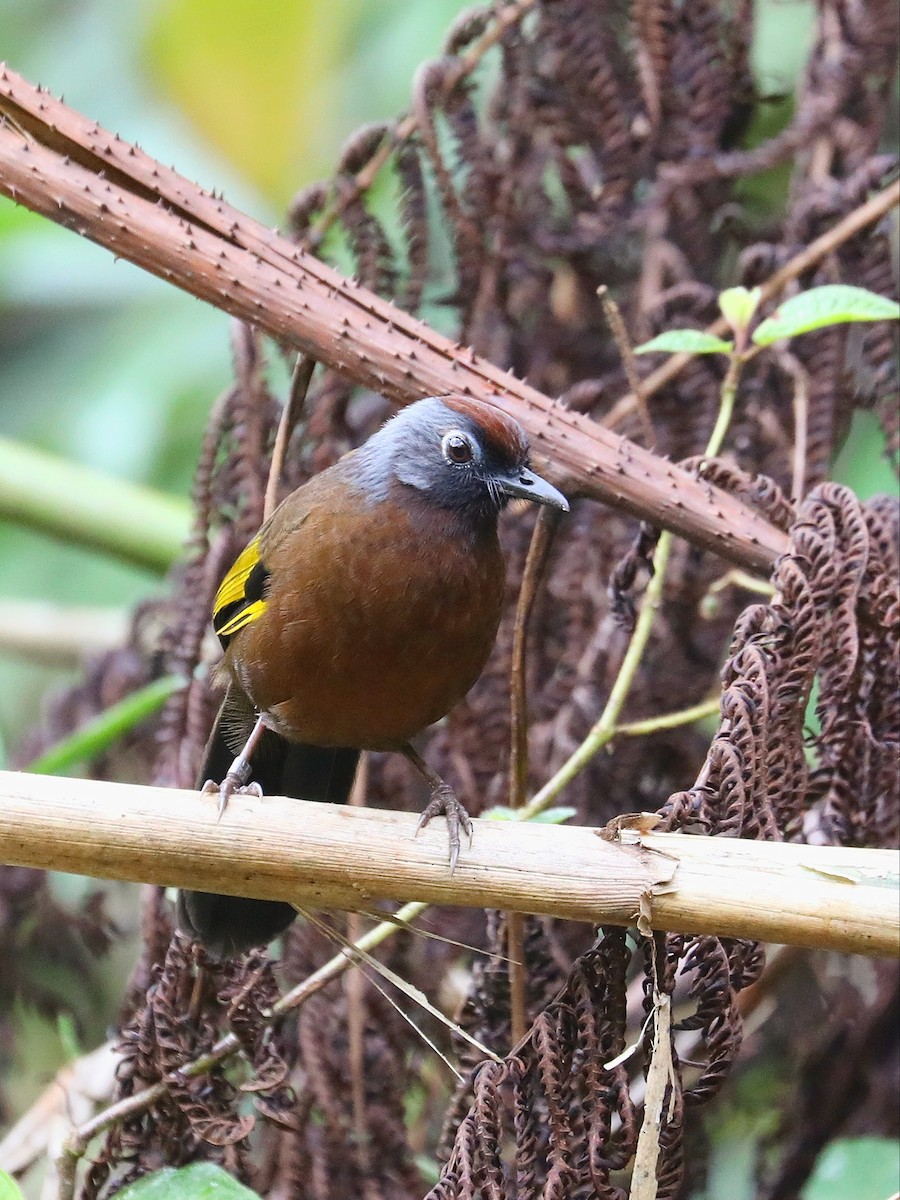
332	856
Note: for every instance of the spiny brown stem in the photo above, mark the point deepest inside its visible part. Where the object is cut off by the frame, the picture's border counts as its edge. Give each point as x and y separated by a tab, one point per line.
85	178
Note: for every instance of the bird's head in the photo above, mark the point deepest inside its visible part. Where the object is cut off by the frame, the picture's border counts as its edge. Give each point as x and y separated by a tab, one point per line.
457	454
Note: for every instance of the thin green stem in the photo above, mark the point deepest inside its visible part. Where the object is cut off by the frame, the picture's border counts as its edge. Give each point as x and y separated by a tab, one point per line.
672	720
605	728
726	406
742	579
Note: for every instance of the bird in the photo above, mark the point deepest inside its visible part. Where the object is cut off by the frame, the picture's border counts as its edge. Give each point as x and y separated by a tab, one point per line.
361	613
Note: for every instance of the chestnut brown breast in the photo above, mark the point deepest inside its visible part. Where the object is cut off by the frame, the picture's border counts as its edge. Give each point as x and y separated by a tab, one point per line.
378	616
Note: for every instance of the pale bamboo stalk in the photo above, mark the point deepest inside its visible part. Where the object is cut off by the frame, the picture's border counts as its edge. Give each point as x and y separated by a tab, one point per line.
328	856
59	635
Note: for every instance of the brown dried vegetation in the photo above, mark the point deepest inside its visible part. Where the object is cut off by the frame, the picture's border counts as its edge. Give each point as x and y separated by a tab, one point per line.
555	147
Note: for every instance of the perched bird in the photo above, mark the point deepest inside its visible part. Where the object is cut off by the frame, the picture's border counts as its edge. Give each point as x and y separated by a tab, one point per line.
362	612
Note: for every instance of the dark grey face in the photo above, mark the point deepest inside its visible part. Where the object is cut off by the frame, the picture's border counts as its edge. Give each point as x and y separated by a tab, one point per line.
455	461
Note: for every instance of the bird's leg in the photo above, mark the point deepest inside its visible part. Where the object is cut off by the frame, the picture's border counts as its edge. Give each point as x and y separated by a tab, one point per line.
443	801
236	781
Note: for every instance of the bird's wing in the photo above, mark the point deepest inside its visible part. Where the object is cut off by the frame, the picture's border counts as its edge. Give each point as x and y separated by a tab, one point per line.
240	598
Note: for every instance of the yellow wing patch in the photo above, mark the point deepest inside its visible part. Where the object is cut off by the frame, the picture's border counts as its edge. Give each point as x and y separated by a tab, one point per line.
242	618
232	586
240	600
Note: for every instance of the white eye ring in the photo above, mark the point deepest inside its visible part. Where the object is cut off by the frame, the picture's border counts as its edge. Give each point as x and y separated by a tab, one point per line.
457	448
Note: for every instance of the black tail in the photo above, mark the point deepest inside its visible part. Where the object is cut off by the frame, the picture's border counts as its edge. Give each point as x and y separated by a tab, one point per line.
231	925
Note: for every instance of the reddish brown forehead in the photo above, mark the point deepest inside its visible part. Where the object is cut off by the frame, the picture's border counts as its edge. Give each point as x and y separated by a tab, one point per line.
503	433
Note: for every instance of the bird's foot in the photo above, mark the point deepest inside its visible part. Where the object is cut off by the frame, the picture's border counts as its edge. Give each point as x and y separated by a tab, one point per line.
235	783
444	801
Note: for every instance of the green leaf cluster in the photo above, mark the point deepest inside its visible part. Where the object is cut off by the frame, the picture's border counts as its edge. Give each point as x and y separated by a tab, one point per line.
831	304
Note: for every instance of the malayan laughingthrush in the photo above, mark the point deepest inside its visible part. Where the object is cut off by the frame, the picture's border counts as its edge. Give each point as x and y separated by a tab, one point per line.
362	612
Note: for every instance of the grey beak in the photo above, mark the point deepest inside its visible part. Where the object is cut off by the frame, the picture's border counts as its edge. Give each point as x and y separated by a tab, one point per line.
524	484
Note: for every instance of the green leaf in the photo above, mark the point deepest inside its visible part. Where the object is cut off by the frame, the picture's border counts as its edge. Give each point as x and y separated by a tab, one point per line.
832	304
9	1189
554	816
738	306
685	341
863	1167
106	728
199	1181
550	816
500	812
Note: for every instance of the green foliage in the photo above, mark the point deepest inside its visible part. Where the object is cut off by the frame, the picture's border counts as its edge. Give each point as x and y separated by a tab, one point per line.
106	729
9	1189
549	816
866	1168
71	501
832	304
739	305
685	341
199	1181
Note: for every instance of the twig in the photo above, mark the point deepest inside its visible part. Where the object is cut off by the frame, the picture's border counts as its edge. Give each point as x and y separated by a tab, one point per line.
792	366
866	214
354	989
661	1078
740	579
673	720
626	353
541	540
290	415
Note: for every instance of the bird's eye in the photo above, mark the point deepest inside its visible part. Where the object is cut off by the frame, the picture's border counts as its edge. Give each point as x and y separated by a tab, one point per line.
456	448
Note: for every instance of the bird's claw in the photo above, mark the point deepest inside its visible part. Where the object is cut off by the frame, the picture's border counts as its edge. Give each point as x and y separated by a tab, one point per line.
232	785
445	802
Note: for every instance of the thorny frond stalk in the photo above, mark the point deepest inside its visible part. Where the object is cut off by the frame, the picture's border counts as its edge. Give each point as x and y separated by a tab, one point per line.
605	729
